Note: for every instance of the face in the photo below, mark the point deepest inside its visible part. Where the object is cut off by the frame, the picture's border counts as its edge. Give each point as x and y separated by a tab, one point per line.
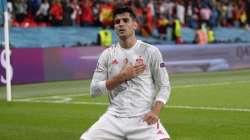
124	25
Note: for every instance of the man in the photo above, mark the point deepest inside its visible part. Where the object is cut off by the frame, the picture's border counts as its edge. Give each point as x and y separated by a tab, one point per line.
133	75
104	37
201	35
177	31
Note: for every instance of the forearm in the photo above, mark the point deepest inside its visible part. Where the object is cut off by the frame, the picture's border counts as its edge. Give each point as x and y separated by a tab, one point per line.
164	93
115	81
157	107
99	87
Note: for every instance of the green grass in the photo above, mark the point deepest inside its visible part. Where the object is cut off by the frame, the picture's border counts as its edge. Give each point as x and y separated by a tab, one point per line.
63	110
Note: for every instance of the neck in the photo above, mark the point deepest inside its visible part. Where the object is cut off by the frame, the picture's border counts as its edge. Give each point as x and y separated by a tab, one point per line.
128	42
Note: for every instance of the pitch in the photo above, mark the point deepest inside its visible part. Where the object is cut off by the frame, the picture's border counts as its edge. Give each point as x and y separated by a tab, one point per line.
203	106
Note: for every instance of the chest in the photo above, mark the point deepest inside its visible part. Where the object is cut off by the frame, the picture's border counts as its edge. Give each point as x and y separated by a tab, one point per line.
117	60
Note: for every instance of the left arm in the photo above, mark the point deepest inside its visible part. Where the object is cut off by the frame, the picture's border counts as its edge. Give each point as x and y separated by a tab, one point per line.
161	80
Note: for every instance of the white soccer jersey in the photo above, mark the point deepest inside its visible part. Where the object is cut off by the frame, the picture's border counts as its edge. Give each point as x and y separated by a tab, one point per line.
134	97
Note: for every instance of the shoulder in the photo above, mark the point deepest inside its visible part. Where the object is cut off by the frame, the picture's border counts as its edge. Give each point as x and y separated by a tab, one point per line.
151	49
110	50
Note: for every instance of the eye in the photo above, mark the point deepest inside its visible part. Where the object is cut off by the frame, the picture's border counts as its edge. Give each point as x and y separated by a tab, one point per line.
126	20
117	21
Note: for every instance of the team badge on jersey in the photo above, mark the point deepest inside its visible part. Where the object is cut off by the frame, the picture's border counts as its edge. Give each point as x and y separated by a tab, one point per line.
114	61
139	60
162	65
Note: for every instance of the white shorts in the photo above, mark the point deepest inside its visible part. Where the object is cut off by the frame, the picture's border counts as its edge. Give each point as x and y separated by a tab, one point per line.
109	127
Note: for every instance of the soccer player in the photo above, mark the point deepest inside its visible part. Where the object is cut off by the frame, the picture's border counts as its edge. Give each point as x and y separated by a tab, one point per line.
133	75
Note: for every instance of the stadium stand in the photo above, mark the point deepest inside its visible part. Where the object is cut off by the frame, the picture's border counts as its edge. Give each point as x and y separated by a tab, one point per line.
32	13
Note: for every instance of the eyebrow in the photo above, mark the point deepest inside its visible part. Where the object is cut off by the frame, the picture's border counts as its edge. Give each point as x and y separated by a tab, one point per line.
124	19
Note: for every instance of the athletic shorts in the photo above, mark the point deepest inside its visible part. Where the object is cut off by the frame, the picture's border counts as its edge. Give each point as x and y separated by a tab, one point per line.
110	127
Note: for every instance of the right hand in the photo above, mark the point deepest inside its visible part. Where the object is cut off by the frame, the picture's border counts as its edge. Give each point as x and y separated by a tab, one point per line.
130	71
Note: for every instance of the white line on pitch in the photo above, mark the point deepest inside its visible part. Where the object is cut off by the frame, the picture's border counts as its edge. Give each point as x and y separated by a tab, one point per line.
169	106
51	97
67	99
211	84
210	108
182	86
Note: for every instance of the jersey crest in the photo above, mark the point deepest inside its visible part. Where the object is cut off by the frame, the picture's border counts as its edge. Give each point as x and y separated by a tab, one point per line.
114	61
162	65
139	60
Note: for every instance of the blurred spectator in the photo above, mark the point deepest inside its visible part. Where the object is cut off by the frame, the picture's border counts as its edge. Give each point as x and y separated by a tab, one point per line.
205	14
42	15
243	17
104	37
10	10
150	13
248	12
67	13
169	6
210	35
176	31
95	15
214	19
56	13
106	15
145	28
76	13
33	6
87	15
201	35
146	21
162	24
189	14
20	7
180	12
229	14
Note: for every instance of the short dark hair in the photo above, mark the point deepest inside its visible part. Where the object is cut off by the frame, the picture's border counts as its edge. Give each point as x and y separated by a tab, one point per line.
122	8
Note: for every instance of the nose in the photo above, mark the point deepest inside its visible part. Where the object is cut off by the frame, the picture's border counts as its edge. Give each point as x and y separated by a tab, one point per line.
121	23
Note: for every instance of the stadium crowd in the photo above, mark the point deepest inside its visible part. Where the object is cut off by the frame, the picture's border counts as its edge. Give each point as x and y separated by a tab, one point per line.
152	14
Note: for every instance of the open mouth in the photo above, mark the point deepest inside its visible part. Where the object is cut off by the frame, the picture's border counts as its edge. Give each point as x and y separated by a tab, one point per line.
122	30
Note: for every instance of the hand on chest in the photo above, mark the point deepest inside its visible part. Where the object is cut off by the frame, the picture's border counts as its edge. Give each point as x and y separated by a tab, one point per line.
118	61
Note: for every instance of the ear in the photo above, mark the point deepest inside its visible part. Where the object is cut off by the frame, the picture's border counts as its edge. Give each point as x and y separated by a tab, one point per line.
135	25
